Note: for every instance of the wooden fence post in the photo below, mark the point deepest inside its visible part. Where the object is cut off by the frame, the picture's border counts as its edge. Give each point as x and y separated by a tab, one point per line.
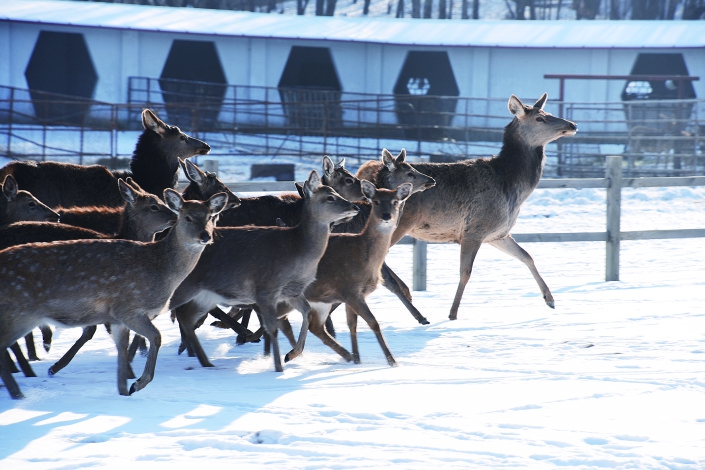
614	202
419	265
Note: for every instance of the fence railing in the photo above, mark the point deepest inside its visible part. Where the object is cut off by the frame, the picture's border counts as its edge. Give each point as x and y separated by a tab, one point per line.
656	137
613	182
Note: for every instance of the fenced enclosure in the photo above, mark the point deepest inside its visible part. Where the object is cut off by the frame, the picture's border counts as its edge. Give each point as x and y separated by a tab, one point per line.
655	138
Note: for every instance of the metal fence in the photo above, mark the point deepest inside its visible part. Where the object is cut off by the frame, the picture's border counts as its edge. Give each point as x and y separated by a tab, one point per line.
656	138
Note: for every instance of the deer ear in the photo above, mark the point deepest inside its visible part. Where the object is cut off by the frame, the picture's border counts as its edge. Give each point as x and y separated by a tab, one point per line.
126	192
152	122
9	188
193	173
173	200
368	189
217	202
341	163
404	191
541	101
328	166
516	107
312	183
388	159
401	157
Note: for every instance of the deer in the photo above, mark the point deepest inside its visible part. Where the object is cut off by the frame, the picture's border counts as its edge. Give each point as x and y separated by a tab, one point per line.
143	216
261	266
86	282
18	205
478	201
154	166
349	271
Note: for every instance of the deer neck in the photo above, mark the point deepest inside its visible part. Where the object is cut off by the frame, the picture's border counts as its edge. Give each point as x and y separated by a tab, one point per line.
176	254
313	234
376	239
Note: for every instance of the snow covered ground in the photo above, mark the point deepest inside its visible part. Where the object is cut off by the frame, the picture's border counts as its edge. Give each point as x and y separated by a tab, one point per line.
614	377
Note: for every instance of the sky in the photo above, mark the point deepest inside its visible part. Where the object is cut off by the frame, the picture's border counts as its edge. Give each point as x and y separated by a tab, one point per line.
613	378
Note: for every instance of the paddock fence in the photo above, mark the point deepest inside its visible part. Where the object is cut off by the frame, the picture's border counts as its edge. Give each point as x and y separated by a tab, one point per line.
613	183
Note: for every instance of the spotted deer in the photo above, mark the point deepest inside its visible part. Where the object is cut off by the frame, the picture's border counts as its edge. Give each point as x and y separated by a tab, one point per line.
261	266
478	201
87	282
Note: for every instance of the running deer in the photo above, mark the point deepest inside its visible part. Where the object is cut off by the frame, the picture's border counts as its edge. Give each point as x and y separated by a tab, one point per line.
349	271
154	166
86	282
17	205
478	201
261	266
143	216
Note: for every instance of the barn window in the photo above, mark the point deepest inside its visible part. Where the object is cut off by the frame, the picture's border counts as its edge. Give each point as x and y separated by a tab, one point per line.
310	90
61	77
423	87
647	120
193	84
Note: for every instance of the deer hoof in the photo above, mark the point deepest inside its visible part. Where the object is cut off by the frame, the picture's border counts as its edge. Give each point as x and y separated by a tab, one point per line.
551	303
424	321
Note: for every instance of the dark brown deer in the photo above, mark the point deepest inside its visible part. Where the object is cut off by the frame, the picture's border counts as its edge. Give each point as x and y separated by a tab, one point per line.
350	271
18	205
478	201
261	266
88	282
154	166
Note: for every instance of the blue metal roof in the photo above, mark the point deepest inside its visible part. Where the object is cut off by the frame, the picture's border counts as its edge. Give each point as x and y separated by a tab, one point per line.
427	32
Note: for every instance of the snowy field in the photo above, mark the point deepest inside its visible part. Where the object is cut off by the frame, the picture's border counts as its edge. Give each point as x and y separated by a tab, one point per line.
613	378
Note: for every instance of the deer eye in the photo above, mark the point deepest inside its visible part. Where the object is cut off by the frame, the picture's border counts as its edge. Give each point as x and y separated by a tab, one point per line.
32	204
348	181
540	119
183	138
188	219
330	198
411	175
154	207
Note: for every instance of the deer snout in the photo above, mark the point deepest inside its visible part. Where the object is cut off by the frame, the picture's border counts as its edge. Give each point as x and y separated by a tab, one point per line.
386	216
204	149
205	237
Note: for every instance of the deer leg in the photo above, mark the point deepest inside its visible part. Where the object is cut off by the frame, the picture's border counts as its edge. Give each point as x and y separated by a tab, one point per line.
268	316
285	327
121	336
468	251
22	361
47	335
510	247
188	315
316	326
11	366
31	349
86	336
230	322
396	286
142	325
351	317
359	307
138	342
7	378
301	304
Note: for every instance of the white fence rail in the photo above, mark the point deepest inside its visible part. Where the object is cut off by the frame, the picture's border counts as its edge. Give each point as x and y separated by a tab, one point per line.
612	236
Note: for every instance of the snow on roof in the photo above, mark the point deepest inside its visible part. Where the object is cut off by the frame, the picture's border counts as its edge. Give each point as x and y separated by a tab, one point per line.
427	32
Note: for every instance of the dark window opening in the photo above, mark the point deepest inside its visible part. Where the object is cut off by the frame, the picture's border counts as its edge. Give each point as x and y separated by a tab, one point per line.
310	90
423	87
193	84
61	77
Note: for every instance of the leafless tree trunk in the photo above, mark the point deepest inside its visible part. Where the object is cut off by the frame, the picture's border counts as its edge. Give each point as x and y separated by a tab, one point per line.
400	9
475	9
427	5
330	7
441	9
416	8
366	8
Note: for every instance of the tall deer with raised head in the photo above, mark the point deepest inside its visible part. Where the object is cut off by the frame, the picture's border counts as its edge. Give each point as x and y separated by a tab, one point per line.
350	271
154	166
19	205
87	282
261	266
339	178
478	201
